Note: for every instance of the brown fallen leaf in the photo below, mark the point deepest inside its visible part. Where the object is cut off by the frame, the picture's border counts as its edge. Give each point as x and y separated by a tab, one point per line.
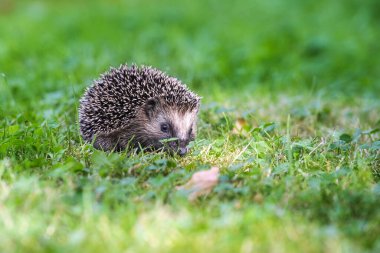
239	127
258	198
201	183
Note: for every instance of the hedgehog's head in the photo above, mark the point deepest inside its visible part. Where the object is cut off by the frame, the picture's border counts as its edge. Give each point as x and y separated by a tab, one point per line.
167	126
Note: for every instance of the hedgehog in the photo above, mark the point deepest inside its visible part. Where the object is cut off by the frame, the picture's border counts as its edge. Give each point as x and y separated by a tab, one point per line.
140	108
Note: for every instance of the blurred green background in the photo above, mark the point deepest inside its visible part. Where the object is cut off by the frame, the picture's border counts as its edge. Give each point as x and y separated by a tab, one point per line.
217	47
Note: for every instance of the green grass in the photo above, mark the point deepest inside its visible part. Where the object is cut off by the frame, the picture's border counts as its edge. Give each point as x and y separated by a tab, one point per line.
301	175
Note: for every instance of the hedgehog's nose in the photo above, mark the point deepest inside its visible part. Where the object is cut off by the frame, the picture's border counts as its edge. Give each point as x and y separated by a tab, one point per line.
182	151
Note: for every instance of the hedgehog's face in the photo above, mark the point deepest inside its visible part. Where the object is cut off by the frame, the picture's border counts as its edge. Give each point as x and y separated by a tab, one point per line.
169	127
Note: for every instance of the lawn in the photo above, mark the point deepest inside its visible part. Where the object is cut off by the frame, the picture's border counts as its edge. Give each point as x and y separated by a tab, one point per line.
290	114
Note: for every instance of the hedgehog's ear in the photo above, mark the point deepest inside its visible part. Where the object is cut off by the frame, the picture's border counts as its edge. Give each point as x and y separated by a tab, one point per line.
151	106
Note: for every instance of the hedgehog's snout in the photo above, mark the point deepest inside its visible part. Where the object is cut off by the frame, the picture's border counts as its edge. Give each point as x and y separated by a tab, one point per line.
182	147
182	151
179	147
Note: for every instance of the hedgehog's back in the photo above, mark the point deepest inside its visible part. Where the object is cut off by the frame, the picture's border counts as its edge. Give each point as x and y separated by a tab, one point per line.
112	102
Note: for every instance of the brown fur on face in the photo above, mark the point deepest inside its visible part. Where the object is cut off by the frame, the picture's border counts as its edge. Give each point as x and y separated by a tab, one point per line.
155	121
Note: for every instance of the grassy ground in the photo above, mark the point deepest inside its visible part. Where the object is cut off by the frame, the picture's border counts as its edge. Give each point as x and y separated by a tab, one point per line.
290	114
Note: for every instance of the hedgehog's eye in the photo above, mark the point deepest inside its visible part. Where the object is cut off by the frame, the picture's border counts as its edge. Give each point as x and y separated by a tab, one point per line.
165	127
